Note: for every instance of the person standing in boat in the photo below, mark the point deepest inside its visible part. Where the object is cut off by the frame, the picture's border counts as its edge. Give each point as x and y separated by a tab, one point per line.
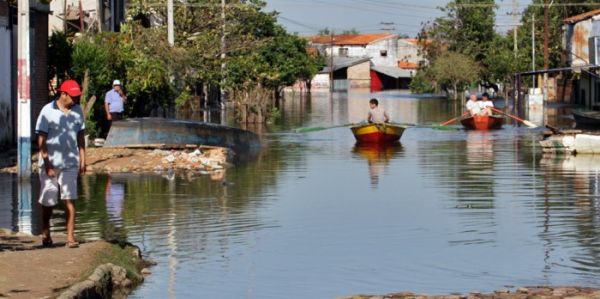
377	114
486	104
473	106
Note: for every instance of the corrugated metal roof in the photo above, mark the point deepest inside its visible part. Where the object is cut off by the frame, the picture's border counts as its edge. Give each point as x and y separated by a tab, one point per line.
581	17
350	39
344	62
393	72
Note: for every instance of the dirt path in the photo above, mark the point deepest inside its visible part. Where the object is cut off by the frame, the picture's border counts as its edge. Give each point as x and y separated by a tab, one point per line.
29	271
109	160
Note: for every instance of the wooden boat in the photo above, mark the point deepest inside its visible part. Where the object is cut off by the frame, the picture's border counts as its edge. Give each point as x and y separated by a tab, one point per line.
151	132
484	122
590	119
377	133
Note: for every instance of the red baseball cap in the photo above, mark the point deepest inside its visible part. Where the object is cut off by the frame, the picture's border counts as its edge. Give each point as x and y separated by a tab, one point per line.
71	88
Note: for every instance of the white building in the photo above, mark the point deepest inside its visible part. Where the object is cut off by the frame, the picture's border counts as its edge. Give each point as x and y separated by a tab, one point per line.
381	48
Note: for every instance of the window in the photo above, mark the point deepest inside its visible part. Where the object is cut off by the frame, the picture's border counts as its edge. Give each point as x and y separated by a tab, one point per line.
343	52
383	53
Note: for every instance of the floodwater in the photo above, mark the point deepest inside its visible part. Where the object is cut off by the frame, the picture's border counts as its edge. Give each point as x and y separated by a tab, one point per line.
315	216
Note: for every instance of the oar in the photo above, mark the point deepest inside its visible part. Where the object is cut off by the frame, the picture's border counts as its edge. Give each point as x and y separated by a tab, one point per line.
453	120
315	129
432	126
524	121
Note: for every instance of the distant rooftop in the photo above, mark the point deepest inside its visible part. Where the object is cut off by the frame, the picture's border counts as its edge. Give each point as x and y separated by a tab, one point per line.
350	39
581	17
343	62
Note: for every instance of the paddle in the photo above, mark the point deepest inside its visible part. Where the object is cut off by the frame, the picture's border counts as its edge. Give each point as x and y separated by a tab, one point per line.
432	126
454	119
316	129
524	121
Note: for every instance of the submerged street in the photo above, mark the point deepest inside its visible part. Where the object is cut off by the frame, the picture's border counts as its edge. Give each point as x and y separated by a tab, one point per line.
313	215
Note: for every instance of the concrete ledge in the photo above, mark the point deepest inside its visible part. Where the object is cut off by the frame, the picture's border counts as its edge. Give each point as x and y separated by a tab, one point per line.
107	281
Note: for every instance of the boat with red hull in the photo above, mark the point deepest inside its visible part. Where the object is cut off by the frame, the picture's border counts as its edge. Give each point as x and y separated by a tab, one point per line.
377	133
482	122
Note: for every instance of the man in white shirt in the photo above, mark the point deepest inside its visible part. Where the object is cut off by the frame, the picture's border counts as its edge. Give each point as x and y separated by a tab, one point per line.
486	104
61	128
377	114
473	106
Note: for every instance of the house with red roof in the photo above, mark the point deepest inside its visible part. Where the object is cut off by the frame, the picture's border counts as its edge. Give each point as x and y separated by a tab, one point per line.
384	69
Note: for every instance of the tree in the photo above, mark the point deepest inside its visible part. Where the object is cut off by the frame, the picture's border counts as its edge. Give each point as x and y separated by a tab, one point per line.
453	71
558	11
59	56
325	31
350	31
467	28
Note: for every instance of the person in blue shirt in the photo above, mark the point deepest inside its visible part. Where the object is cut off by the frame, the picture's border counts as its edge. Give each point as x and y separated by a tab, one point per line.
60	128
114	102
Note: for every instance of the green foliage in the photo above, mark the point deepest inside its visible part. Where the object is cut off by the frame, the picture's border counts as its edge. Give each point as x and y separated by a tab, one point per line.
558	11
454	71
499	60
122	257
350	31
258	53
92	54
467	28
59	56
420	83
183	97
325	31
274	114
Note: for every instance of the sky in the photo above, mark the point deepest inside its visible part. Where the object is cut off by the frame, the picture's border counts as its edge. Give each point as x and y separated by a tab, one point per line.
306	17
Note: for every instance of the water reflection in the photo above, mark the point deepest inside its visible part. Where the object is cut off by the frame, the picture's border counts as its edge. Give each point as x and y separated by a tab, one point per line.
24	210
378	158
581	175
447	211
115	197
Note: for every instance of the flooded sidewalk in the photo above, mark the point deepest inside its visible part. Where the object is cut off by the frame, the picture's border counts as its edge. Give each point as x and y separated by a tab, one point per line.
28	270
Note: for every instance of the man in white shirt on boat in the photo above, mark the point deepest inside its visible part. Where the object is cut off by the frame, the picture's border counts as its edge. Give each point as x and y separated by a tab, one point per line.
486	104
473	106
377	114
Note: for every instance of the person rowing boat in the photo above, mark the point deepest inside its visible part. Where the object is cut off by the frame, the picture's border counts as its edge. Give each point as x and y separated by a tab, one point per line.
377	114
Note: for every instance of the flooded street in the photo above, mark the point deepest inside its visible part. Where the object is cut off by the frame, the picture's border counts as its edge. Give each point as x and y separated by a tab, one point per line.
315	216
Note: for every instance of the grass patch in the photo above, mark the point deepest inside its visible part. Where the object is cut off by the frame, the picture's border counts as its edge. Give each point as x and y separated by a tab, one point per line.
122	257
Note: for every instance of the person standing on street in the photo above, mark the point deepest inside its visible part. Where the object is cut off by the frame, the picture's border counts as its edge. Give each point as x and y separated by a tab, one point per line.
61	128
114	102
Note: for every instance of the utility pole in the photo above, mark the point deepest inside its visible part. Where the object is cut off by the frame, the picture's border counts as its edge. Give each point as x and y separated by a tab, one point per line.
170	29
546	54
81	24
65	16
514	16
331	64
533	47
24	91
222	91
